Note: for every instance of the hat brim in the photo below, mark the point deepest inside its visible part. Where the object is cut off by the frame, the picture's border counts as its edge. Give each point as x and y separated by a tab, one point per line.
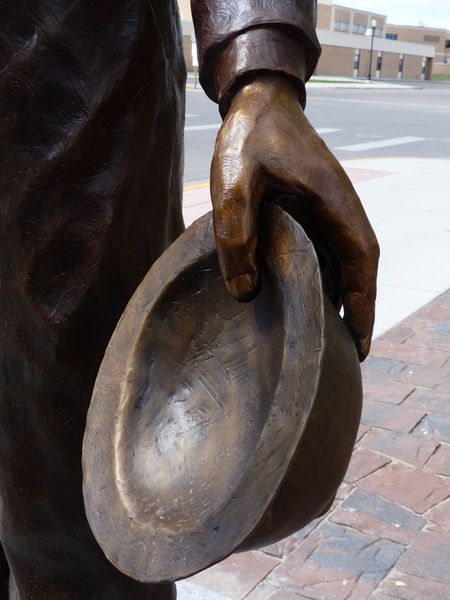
201	402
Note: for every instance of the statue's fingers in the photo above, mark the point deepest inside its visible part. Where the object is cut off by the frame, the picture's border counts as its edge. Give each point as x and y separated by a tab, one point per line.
344	222
359	304
236	193
336	208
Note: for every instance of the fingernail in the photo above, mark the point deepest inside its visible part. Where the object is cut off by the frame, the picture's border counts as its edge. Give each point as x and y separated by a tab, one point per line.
243	287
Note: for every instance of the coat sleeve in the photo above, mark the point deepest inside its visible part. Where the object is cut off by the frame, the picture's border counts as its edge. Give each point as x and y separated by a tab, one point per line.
239	37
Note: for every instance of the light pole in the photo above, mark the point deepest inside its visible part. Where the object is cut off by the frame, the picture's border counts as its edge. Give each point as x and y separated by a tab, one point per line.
371	32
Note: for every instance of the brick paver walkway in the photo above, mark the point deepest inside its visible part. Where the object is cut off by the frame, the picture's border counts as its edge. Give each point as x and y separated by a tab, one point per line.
388	534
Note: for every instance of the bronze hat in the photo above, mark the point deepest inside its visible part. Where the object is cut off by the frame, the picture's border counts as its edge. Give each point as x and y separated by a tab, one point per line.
216	425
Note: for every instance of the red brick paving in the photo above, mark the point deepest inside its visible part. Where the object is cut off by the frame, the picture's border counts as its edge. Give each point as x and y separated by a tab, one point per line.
266	592
409	587
408	352
388	533
429	401
428	556
263	591
439	463
363	429
417	490
337	561
436	341
390	416
344	491
399	334
413	449
424	376
364	462
283	595
440	515
236	576
443	384
376	516
435	426
387	391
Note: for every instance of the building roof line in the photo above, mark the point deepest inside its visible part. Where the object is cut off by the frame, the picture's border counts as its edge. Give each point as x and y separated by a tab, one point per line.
359	10
421	27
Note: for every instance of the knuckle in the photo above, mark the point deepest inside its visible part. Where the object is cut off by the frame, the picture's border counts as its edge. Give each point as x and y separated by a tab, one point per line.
373	249
236	242
369	251
222	225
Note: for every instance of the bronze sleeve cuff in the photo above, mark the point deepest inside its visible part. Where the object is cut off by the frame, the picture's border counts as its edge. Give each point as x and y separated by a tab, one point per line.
261	50
223	23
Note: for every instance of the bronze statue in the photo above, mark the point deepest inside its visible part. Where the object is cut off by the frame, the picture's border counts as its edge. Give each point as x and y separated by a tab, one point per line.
92	103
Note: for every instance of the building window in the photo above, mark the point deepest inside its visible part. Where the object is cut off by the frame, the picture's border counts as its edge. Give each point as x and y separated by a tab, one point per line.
431	38
378	32
379	61
358	28
391	36
341	25
447	43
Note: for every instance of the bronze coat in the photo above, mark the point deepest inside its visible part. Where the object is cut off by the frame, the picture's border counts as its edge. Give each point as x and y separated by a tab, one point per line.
92	117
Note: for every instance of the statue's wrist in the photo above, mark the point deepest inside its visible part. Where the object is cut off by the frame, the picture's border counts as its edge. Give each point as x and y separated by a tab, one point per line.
263	87
258	55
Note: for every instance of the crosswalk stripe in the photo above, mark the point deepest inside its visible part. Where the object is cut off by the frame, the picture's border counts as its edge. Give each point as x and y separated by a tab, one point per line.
380	144
323	130
320	130
203	127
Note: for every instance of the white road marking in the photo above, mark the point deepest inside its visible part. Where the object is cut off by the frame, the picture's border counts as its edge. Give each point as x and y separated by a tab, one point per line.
323	130
203	127
320	131
190	115
381	144
369	136
400	105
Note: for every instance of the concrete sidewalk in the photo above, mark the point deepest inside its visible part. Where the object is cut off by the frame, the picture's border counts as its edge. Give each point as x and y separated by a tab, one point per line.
360	83
408	203
336	82
388	533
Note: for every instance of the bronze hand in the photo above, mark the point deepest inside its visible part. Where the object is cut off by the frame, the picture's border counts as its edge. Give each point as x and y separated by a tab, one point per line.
266	144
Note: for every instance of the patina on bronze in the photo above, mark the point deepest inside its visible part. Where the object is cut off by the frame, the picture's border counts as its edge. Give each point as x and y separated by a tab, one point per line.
92	116
214	424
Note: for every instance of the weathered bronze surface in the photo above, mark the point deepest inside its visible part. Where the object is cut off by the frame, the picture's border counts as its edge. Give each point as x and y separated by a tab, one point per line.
216	424
92	116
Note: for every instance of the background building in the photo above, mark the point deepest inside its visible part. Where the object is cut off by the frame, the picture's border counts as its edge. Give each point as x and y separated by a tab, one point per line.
188	30
439	39
346	47
333	17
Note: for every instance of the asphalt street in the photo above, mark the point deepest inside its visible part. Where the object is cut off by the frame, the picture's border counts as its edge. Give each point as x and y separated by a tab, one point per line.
394	143
355	123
